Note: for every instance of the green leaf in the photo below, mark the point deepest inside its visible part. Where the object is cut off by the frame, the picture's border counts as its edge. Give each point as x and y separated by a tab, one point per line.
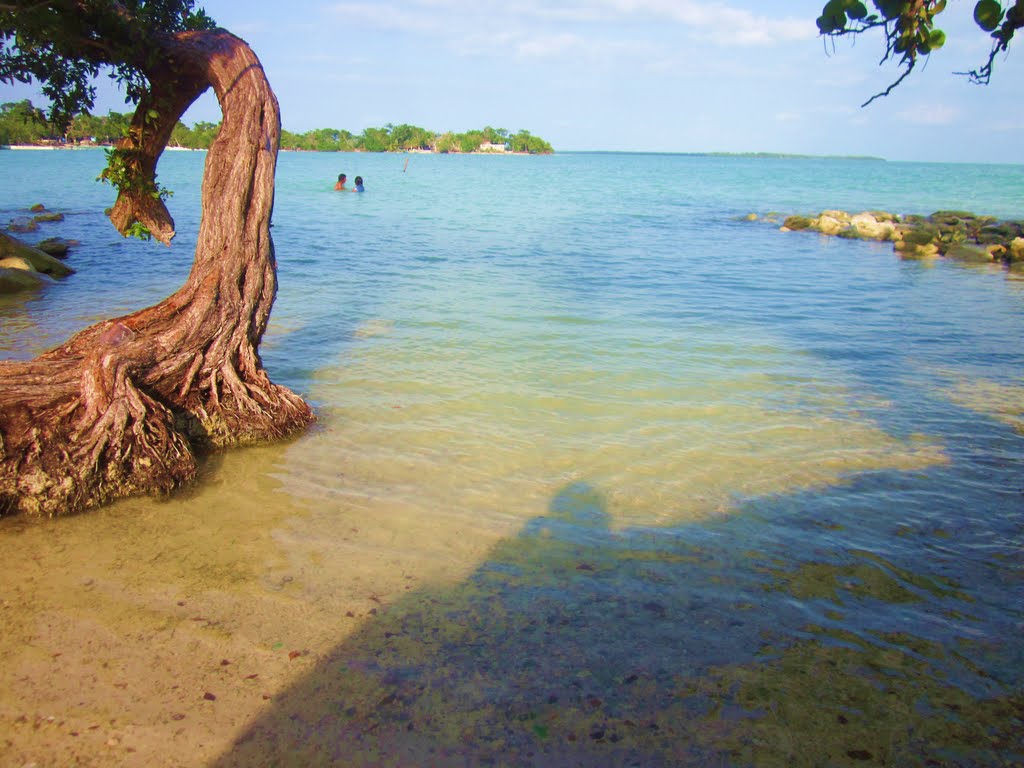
988	14
825	24
856	10
834	8
829	24
890	9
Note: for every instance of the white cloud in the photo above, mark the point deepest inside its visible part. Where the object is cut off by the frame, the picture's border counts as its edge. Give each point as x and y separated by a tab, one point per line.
723	23
388	16
548	45
929	114
570	22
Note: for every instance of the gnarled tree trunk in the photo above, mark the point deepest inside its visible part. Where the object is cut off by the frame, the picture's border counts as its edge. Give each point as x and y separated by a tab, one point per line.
122	407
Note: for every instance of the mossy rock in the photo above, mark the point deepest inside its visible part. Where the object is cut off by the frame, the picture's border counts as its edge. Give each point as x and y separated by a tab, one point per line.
45	217
40	261
952	235
18	280
23	224
850	233
55	246
972	254
1003	232
920	235
37	208
797	222
952	216
1015	251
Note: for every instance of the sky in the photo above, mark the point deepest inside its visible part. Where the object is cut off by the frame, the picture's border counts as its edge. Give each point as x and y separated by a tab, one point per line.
622	75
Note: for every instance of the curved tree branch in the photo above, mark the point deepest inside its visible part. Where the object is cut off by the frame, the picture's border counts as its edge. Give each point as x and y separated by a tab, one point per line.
121	407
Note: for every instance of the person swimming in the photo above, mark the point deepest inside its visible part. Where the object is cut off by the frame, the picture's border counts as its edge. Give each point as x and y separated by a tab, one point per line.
340	185
359	184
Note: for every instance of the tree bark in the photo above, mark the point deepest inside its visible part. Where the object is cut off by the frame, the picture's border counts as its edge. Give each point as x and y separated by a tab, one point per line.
123	407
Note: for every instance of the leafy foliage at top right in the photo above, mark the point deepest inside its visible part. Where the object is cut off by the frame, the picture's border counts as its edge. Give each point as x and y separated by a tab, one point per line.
909	29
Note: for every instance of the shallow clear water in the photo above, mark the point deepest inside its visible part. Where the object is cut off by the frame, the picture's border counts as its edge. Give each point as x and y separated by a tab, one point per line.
615	433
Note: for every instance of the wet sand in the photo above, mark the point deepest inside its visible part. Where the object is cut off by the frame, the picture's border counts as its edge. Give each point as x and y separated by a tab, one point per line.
152	632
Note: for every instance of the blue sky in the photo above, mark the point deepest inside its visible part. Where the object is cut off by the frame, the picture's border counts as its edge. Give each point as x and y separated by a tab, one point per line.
623	75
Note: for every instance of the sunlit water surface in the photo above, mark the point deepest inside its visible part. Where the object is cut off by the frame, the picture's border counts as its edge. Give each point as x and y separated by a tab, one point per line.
605	471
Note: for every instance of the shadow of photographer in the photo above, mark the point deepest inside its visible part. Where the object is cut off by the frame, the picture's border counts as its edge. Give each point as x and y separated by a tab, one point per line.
569	646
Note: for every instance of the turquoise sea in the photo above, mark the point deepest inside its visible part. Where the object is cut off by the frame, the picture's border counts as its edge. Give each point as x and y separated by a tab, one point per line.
604	473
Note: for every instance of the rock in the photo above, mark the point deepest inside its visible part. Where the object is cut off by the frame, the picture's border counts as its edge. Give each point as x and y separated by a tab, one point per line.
44	217
37	208
830	225
1016	250
952	217
914	251
47	264
974	254
41	262
23	224
797	223
17	280
1002	232
16	262
55	246
840	216
918	234
751	217
866	226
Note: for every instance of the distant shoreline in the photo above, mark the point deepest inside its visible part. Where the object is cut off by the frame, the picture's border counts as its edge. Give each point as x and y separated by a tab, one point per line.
61	147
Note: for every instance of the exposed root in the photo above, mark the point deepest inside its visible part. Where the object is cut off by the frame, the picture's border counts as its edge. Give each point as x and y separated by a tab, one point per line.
133	448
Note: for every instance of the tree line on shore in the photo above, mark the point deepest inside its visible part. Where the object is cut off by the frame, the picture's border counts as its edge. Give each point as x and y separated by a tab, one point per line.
23	123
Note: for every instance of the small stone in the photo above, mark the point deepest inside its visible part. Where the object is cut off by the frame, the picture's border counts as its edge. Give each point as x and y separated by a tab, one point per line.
23	224
794	223
55	246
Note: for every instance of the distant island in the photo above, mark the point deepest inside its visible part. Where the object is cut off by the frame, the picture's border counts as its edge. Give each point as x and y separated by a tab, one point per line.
23	124
790	156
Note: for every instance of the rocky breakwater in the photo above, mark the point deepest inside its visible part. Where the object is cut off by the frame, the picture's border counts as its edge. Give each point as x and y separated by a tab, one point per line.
25	267
955	235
